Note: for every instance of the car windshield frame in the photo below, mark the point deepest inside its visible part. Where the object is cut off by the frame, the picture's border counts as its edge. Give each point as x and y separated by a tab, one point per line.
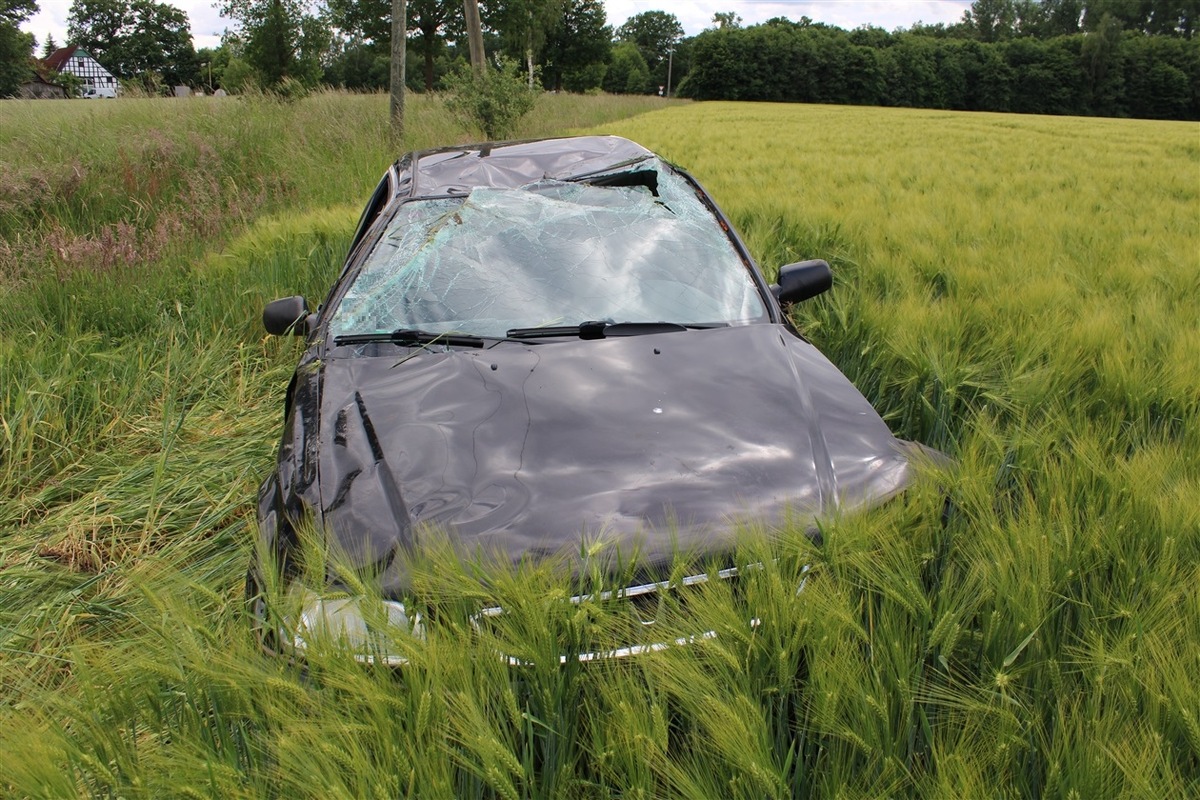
629	239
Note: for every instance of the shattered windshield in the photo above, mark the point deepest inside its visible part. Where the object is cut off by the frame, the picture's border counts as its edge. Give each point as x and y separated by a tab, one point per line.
551	253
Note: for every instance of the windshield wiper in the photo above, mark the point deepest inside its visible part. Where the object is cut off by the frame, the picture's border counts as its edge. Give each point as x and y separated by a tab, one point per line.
599	329
594	329
409	336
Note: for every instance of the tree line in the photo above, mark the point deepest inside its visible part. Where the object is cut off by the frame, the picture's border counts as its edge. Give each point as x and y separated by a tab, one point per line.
1052	57
1136	58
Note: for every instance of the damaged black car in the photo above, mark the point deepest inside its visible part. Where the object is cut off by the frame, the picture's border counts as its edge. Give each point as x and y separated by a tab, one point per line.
537	344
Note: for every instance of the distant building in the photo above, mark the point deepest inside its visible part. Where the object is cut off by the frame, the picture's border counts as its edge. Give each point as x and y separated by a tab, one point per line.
40	83
38	88
95	79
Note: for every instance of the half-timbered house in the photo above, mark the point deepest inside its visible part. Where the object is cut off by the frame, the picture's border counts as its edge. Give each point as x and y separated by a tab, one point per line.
95	79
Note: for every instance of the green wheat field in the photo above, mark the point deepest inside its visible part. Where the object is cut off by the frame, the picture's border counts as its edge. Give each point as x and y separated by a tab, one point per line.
1021	292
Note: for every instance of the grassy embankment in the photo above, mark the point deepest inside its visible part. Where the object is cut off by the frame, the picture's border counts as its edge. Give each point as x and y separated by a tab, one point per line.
1018	291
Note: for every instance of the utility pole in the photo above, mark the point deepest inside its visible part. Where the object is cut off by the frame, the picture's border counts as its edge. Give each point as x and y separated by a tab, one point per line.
399	55
670	63
474	34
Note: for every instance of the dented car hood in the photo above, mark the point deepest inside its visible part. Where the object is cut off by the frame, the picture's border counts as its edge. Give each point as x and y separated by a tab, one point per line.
531	449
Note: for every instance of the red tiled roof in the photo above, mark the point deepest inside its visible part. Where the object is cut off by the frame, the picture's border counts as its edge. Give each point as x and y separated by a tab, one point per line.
60	57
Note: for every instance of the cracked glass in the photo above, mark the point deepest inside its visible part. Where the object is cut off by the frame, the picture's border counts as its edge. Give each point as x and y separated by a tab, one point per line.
552	253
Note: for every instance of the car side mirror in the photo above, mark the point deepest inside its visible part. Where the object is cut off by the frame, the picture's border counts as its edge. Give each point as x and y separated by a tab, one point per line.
286	316
802	280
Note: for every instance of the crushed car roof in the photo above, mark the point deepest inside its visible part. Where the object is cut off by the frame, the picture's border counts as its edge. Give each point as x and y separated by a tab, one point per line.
456	170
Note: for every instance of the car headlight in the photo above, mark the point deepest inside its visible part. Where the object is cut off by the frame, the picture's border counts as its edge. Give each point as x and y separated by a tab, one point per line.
367	627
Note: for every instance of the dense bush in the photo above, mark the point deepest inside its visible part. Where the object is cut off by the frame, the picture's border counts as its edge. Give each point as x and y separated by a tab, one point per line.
628	73
492	99
1102	73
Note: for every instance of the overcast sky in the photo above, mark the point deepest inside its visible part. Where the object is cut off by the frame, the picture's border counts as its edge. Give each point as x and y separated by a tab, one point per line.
207	25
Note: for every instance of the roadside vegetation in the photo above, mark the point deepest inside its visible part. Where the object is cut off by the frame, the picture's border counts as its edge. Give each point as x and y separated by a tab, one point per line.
89	188
1018	291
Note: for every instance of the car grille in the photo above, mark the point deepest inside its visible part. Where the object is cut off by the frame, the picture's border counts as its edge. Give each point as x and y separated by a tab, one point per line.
633	626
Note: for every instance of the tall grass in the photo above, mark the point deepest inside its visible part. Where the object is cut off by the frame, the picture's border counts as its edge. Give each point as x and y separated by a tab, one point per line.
1018	291
101	186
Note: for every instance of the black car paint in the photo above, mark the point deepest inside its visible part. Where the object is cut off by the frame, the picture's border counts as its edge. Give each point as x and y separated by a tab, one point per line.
654	443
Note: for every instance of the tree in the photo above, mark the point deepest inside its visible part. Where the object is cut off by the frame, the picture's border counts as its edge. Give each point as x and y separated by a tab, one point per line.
870	36
578	48
628	73
655	33
1029	18
49	46
524	26
211	63
364	20
238	76
15	46
135	39
356	64
14	12
991	20
988	76
1049	70
282	41
312	49
1100	54
271	45
1063	17
161	42
369	21
726	19
910	72
1046	77
431	19
97	25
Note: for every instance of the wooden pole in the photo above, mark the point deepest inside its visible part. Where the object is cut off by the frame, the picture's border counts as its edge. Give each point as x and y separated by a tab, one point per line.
399	55
474	34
